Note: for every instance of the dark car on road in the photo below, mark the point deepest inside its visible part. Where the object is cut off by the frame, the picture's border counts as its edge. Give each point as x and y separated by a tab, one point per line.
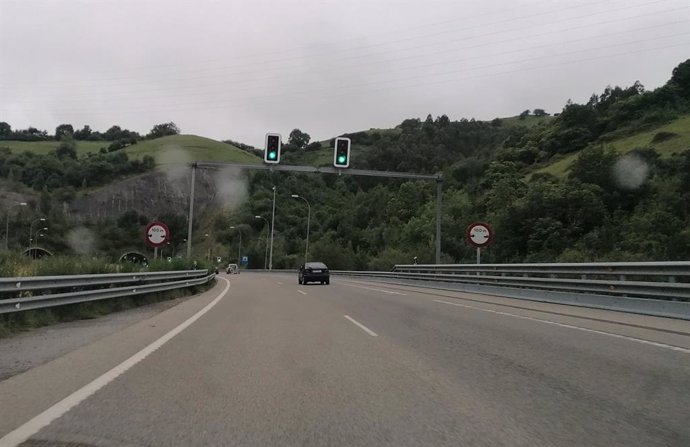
313	272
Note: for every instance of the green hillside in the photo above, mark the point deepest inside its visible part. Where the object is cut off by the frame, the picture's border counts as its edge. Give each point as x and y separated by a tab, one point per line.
597	205
367	141
191	148
528	121
665	140
47	147
185	148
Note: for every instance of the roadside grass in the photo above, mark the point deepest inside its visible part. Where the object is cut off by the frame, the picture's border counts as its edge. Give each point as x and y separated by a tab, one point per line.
15	265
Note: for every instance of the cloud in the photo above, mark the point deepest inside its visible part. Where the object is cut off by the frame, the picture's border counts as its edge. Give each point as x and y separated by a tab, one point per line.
236	69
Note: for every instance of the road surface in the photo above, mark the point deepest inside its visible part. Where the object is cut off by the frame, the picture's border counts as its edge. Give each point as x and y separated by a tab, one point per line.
261	360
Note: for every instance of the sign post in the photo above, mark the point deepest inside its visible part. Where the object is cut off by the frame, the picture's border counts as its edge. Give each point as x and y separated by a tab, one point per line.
157	235
479	234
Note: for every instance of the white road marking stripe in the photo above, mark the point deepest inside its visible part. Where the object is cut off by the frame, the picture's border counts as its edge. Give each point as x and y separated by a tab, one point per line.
362	327
375	290
280	283
570	326
44	419
302	292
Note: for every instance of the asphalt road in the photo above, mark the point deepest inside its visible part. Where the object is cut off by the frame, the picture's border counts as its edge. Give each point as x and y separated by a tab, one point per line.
271	362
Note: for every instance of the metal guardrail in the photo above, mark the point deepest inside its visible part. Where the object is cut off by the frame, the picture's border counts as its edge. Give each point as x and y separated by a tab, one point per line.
20	284
666	290
668	269
650	288
98	287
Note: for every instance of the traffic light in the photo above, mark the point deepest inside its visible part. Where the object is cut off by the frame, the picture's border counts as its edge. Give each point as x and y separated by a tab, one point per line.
272	151
341	154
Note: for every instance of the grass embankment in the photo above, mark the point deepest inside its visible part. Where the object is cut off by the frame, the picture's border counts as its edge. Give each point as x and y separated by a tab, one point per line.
189	148
667	139
14	265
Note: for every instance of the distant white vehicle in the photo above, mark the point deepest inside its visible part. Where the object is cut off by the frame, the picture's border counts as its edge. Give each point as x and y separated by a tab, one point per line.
232	269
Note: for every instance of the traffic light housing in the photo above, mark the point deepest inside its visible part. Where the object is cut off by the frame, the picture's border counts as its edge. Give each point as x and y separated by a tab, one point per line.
272	149
341	153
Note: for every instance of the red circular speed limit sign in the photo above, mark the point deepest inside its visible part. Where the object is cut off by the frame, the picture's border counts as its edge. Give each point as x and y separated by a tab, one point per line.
157	234
479	234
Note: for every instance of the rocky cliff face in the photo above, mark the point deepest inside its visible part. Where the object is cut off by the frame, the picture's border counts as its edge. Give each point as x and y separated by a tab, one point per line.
160	192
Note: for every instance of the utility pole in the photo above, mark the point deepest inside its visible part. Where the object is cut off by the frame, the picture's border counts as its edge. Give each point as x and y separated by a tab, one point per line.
191	212
439	215
268	227
306	249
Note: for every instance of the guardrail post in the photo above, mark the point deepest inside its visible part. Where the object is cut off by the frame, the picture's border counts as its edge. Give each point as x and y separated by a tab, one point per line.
439	213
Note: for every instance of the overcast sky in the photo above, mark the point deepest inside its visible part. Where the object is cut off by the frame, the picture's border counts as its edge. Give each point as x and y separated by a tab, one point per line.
238	69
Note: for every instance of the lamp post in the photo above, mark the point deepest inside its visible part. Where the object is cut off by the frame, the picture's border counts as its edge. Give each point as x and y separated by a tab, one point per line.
266	244
273	223
7	223
239	247
306	249
35	234
31	228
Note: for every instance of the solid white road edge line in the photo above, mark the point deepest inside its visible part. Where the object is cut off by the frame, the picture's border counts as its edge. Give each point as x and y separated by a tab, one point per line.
30	428
361	326
302	292
570	326
375	290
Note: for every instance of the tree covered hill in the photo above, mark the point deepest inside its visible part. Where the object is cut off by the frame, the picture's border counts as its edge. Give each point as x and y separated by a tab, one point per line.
605	180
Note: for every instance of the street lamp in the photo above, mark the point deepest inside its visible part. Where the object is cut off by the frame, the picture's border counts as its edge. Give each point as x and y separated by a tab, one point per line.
239	247
273	223
306	250
208	253
31	228
36	233
266	244
7	223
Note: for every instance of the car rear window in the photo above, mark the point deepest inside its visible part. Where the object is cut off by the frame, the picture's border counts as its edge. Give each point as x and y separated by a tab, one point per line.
316	265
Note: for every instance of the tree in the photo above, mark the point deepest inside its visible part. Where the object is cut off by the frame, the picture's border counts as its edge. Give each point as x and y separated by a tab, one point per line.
163	130
67	148
681	78
299	139
114	133
539	112
83	134
524	114
443	121
63	130
5	130
595	165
